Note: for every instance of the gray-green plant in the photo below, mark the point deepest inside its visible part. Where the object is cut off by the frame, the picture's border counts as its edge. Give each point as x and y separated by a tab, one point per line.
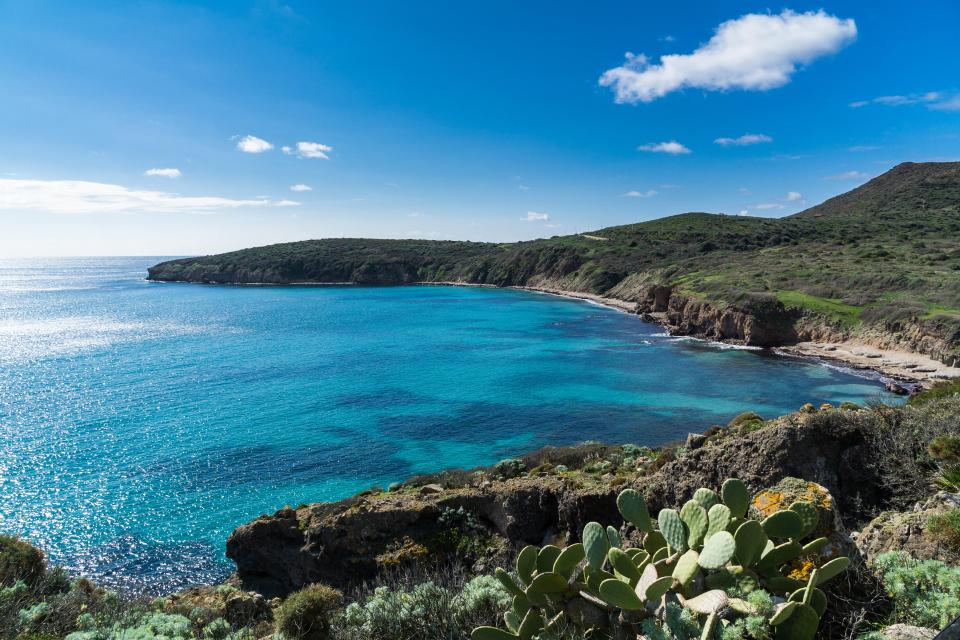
707	558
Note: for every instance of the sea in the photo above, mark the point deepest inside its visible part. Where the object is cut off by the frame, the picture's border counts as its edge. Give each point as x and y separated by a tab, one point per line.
141	422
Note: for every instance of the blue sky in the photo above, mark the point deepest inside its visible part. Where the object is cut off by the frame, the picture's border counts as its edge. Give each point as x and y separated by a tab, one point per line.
483	121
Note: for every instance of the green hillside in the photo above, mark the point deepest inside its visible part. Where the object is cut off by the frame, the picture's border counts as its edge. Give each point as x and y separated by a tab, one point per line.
885	253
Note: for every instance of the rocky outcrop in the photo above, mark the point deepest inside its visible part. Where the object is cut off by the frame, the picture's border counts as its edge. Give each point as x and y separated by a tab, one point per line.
345	542
908	531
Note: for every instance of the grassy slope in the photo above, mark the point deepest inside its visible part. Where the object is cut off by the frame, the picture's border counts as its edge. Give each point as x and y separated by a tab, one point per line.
887	250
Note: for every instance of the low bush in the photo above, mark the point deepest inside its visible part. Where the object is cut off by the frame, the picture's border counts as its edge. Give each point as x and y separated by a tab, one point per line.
19	560
925	593
945	527
305	615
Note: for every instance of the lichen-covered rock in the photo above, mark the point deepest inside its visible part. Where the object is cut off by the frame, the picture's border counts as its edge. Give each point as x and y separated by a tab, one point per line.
908	531
226	601
790	490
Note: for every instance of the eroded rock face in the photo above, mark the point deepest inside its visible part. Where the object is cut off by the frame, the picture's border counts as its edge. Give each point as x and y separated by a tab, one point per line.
346	542
908	531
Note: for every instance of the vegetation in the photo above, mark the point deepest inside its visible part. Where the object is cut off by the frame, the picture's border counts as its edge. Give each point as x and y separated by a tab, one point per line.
924	593
305	615
884	253
708	558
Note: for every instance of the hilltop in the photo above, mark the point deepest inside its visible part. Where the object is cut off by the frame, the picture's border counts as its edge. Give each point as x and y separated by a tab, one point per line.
880	263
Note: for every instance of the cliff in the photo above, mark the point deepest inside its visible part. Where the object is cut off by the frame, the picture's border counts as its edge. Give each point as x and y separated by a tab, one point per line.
879	264
859	456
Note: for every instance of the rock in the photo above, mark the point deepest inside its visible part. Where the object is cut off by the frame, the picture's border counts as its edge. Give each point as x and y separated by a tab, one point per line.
245	607
429	489
907	632
907	531
900	390
695	440
340	543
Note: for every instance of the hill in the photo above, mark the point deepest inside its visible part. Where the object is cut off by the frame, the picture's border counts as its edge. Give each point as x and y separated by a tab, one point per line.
881	262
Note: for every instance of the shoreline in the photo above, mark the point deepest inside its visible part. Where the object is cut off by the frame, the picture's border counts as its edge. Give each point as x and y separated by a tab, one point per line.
893	366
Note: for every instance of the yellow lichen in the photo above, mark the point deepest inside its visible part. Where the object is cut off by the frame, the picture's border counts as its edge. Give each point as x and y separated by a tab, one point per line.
801	568
402	552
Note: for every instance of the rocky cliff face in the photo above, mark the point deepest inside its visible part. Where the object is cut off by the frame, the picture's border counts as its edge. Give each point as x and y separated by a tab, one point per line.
349	541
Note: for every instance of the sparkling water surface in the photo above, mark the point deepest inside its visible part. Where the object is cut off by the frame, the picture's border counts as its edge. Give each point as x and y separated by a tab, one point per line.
142	422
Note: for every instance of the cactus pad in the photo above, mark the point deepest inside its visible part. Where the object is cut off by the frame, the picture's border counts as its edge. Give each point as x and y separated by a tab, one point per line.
686	567
619	594
623	564
568	559
547	556
717	551
751	540
832	569
673	529
695	517
708	602
706	497
527	563
818	599
809	516
718	519
801	625
783	524
782	612
595	544
634	510
613	536
735	496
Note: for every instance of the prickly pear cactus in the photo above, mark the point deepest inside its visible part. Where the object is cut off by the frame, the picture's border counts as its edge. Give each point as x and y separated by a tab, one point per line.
703	558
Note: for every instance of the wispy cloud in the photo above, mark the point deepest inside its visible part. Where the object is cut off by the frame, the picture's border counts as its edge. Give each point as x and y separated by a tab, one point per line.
764	206
163	173
534	216
649	193
300	188
309	150
672	147
523	187
793	196
744	140
81	196
860	148
286	203
951	104
755	52
899	101
848	175
253	144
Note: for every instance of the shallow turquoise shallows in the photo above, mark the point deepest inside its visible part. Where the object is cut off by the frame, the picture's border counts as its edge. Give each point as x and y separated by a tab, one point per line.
141	422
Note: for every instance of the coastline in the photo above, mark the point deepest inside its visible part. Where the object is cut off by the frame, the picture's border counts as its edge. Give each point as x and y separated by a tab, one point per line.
891	365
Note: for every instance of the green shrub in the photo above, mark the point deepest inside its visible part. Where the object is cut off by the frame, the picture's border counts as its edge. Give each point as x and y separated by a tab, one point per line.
19	560
945	449
746	422
305	615
945	527
925	593
943	389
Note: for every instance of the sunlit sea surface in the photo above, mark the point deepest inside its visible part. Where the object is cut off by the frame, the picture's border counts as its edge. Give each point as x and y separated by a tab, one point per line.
141	422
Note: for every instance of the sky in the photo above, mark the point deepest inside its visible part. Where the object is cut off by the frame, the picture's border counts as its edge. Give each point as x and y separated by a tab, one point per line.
175	128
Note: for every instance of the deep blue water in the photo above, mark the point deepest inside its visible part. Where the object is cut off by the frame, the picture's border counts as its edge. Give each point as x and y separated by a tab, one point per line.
141	422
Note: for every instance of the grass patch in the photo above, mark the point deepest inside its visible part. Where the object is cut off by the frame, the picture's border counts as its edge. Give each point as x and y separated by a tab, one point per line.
833	308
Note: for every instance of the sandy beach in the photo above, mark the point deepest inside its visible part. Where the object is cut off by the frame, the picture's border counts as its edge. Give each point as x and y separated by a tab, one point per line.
899	365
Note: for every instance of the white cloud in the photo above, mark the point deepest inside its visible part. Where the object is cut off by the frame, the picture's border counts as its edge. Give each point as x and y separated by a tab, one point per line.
310	150
848	175
523	187
640	194
533	216
672	147
300	188
743	212
81	196
287	149
253	144
764	206
286	203
755	52
793	196
163	173
952	104
899	101
744	140
862	147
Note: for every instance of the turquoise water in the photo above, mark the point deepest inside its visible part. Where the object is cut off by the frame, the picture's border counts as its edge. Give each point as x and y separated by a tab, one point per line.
141	422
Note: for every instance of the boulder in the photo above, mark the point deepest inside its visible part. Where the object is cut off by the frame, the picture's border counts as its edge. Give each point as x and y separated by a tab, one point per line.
907	531
907	632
